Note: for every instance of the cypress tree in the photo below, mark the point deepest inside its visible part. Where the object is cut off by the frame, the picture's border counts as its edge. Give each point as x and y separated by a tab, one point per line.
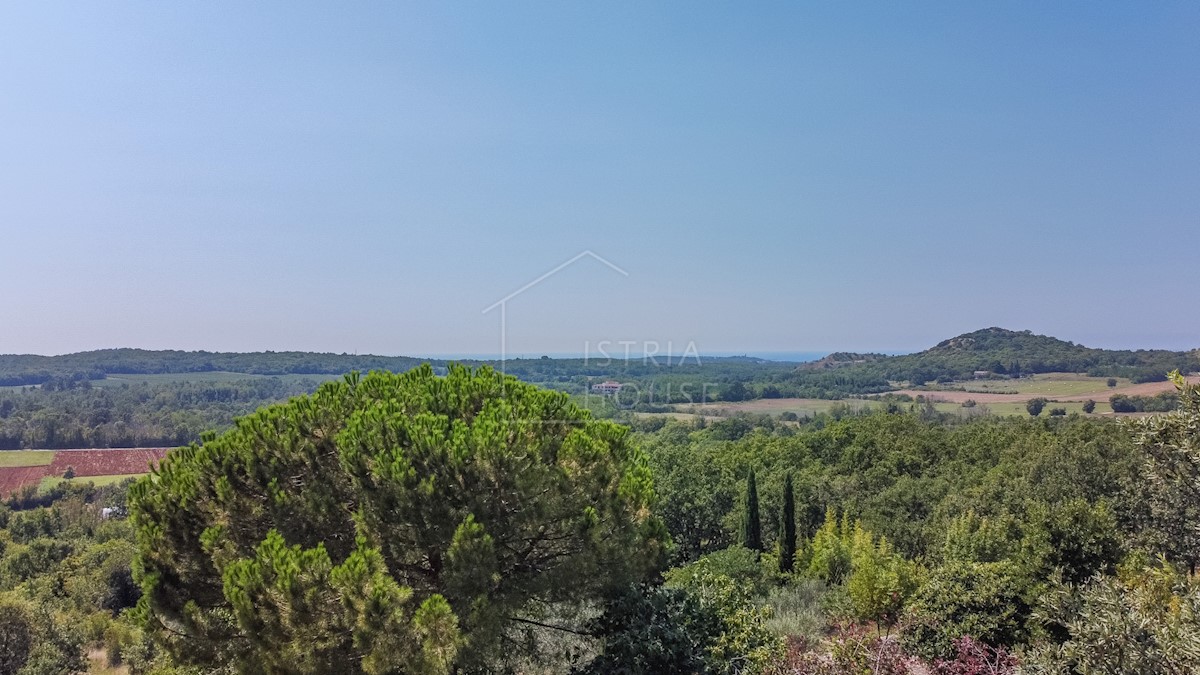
787	546
751	523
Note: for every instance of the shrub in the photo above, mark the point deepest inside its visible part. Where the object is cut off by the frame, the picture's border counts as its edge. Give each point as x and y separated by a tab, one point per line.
797	610
1121	403
1146	623
880	581
654	629
744	644
854	651
1034	406
16	635
737	563
974	538
827	555
973	657
983	600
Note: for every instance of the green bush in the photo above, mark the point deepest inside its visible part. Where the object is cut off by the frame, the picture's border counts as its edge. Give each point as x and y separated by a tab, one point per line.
750	571
1147	622
880	581
745	645
1034	406
986	601
974	538
653	629
16	635
827	555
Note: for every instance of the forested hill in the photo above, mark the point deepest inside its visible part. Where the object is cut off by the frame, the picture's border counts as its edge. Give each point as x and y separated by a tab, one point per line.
70	370
1007	352
26	369
996	350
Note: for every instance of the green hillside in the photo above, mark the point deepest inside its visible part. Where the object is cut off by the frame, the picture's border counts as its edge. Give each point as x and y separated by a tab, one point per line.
27	369
1008	352
998	351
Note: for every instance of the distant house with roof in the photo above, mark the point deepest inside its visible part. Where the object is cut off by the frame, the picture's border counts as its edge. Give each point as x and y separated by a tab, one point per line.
606	388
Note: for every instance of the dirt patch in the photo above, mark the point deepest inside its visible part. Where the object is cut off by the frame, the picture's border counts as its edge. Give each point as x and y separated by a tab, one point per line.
105	462
13	478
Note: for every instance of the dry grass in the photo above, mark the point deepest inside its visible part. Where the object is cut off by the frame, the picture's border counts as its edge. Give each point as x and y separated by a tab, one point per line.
11	458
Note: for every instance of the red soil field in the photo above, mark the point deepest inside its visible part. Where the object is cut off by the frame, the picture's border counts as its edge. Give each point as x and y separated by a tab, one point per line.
104	462
12	478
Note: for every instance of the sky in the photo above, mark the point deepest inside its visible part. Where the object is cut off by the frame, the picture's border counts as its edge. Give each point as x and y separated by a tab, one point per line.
370	177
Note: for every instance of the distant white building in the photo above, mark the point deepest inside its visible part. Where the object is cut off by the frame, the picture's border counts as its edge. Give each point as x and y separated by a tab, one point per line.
606	388
982	374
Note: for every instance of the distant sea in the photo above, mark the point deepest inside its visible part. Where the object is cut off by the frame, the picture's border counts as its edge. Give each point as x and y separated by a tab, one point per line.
795	357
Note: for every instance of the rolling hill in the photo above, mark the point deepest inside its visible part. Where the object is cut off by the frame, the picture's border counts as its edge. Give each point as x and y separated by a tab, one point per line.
1007	352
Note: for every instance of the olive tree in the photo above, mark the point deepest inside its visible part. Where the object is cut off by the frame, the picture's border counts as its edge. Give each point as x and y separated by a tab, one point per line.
390	524
1170	446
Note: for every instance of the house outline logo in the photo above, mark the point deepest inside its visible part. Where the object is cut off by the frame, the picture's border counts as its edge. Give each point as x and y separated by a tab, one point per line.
502	303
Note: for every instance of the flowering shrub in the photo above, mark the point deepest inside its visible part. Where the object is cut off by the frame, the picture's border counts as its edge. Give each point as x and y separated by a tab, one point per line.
856	651
973	657
853	651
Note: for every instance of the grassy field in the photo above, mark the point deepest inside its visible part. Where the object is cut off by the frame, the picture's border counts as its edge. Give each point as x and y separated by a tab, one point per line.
684	417
1018	408
100	481
26	457
1045	384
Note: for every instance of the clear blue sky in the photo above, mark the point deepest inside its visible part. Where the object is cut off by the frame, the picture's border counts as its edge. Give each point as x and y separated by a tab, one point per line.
369	177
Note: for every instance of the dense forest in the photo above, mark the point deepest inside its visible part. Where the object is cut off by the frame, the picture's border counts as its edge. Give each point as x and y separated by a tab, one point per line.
75	414
877	542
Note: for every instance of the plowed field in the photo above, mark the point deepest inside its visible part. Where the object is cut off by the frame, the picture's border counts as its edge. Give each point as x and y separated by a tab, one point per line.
105	462
86	463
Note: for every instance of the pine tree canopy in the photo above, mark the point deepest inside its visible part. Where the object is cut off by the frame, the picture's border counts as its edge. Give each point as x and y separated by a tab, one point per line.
390	524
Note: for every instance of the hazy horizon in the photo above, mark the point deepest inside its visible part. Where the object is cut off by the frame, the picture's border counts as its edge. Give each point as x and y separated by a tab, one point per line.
613	351
873	177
